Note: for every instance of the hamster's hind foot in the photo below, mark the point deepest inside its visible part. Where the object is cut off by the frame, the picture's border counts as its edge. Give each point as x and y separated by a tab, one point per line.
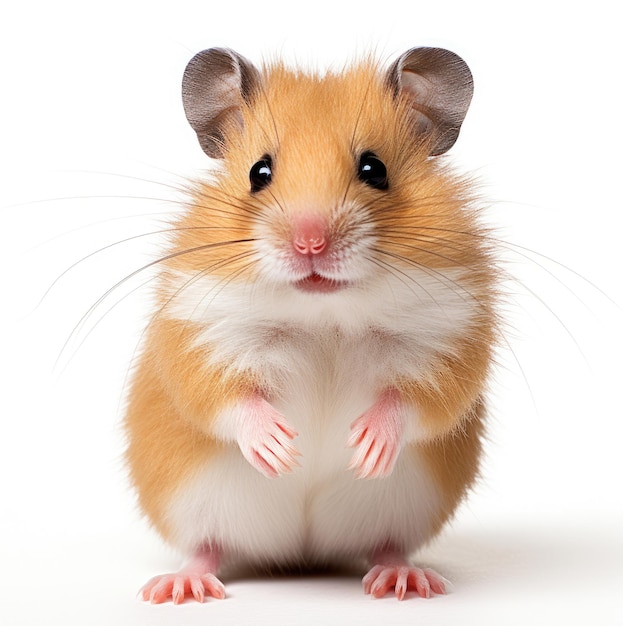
198	579
392	571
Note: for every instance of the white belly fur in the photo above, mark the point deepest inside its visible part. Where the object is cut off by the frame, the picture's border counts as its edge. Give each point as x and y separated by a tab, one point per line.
302	518
321	512
327	360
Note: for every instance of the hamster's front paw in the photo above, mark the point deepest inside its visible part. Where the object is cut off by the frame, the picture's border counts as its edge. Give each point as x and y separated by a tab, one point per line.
264	437
377	437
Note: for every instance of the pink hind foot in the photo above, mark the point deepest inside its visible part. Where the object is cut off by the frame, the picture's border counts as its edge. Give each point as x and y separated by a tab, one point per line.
392	571
198	579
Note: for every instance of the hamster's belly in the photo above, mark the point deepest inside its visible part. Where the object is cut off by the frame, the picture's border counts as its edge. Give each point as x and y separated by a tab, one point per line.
320	513
299	518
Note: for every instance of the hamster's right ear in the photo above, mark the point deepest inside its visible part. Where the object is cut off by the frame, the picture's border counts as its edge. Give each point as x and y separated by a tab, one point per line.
439	86
216	83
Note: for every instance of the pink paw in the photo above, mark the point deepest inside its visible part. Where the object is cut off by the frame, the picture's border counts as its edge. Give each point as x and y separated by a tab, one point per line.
264	438
402	578
377	438
179	586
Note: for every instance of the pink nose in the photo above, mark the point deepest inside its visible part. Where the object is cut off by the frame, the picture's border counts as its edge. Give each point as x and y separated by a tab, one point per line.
312	245
309	236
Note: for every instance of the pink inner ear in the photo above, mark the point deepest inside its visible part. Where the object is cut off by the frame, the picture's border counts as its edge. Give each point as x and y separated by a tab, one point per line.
421	94
420	88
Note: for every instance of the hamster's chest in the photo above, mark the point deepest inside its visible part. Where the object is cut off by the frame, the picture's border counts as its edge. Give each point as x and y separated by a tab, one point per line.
325	386
322	381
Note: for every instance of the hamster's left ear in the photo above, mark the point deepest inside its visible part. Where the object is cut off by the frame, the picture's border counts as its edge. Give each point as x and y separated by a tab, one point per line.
439	87
216	83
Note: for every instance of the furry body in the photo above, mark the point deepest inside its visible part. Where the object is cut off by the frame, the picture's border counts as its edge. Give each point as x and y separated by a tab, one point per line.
379	342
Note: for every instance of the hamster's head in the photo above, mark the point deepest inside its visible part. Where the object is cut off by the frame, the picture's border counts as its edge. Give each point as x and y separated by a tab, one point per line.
327	183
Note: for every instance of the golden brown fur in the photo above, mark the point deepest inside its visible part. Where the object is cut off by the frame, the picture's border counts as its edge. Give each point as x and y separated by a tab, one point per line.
426	220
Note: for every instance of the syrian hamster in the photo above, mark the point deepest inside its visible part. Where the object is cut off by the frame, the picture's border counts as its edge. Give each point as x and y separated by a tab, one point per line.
311	389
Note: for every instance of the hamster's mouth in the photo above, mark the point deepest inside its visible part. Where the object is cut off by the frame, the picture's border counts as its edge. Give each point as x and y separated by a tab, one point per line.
315	283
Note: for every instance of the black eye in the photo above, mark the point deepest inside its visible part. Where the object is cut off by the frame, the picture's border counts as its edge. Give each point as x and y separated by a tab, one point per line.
261	174
372	171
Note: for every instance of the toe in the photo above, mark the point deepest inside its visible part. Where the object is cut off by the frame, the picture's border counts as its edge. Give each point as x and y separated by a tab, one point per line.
420	583
402	582
197	589
177	593
438	583
384	582
213	586
161	591
370	577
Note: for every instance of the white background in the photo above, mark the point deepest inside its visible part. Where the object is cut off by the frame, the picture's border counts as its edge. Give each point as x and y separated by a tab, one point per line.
92	134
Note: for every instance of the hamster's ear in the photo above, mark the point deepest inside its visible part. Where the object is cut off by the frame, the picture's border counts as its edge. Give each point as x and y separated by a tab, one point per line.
439	86
216	83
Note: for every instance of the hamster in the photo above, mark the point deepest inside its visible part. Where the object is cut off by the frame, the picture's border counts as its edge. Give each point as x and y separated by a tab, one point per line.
311	390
